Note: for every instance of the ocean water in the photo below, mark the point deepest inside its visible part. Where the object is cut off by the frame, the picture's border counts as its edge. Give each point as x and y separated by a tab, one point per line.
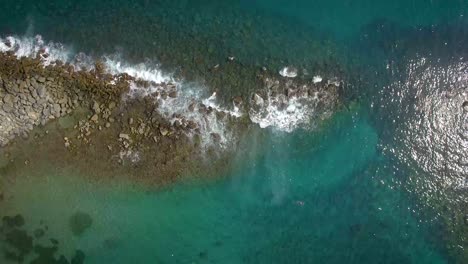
383	180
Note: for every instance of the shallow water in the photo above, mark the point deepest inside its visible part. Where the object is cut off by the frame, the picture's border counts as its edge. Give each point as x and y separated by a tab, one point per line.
347	192
303	200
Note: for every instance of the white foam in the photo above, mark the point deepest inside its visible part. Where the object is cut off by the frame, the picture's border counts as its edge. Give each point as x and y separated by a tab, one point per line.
286	113
289	72
282	113
30	47
317	79
114	65
211	102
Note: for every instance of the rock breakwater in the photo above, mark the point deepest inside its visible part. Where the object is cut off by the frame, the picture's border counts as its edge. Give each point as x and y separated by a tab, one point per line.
99	113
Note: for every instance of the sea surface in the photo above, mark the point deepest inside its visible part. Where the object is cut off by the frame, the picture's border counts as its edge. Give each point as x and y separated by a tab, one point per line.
383	180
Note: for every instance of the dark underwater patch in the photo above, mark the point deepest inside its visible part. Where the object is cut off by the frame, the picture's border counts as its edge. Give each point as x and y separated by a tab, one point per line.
80	222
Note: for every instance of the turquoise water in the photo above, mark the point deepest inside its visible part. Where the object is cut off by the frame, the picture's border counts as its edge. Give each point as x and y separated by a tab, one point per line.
346	193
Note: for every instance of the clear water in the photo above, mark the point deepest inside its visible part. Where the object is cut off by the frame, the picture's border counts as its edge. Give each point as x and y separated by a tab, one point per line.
346	193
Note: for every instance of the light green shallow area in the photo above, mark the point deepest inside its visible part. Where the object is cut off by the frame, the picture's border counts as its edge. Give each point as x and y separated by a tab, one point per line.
301	198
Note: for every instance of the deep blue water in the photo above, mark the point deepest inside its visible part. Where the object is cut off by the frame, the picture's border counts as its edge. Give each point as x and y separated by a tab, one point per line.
382	182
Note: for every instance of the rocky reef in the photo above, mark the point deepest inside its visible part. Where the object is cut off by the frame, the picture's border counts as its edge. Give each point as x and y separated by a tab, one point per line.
96	118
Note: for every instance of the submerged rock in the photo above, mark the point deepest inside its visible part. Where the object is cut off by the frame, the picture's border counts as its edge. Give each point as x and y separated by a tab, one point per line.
79	222
78	258
15	221
38	233
20	241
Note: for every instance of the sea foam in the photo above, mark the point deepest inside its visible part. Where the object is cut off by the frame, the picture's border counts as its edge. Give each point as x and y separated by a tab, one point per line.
288	106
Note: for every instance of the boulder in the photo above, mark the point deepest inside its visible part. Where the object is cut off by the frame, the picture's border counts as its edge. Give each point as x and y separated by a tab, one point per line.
112	105
164	131
173	94
95	118
96	107
8	99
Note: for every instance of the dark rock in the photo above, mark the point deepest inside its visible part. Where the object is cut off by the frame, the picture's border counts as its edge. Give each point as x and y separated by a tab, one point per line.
209	110
8	99
216	137
237	100
191	124
7	108
220	114
202	109
31	98
7	43
173	94
41	91
191	107
465	106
